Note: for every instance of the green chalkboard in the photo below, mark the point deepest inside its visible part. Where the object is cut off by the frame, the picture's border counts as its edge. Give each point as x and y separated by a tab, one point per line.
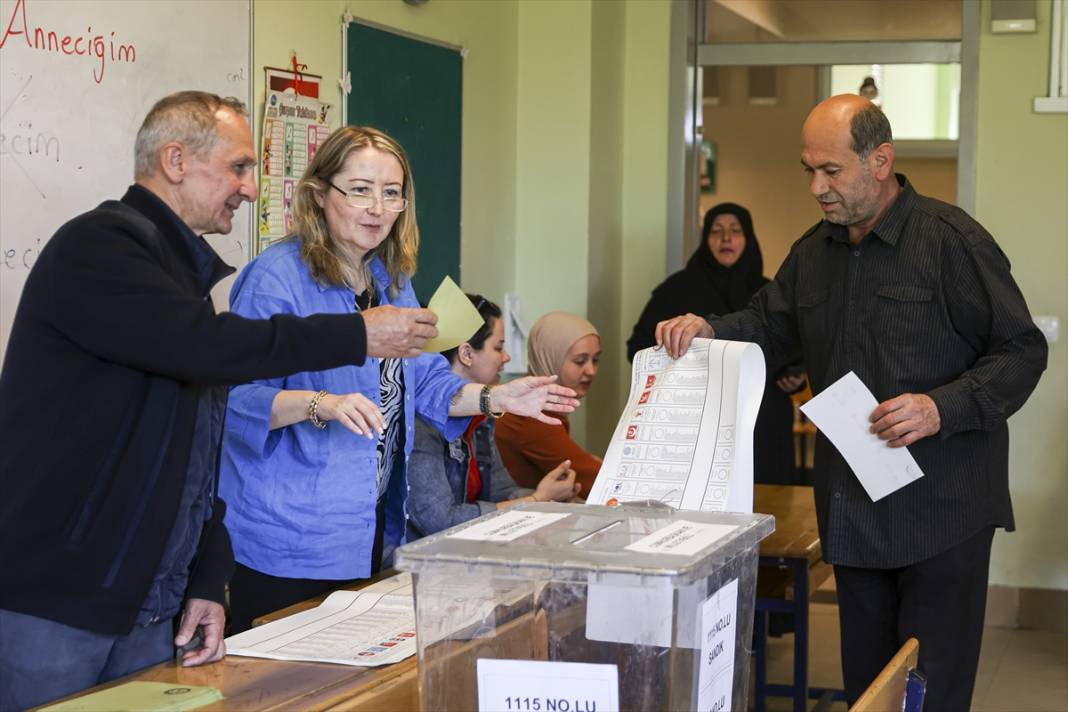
413	91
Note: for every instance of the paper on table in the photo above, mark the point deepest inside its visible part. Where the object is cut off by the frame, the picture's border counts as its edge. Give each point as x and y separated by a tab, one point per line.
841	412
458	320
685	437
369	627
143	697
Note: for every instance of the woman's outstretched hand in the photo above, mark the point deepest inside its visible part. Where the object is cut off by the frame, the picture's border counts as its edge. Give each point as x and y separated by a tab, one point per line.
531	396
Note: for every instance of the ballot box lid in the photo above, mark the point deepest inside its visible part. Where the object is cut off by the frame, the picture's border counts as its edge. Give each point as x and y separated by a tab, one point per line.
579	542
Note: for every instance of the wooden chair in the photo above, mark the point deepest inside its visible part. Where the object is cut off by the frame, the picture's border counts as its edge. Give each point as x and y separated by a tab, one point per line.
898	687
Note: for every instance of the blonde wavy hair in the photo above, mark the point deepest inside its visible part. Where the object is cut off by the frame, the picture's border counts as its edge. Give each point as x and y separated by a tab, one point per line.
398	251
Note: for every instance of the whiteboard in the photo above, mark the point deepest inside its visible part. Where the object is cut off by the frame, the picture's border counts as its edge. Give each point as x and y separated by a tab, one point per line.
76	80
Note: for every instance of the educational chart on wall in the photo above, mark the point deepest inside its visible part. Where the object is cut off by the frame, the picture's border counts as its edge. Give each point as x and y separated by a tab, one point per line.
293	128
686	434
76	80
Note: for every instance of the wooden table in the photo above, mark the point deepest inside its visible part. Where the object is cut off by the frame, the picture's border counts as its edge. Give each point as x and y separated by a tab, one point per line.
259	684
792	549
256	684
795	535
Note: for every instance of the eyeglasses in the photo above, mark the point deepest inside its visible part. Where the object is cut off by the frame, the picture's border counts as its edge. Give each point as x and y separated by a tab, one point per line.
720	232
392	204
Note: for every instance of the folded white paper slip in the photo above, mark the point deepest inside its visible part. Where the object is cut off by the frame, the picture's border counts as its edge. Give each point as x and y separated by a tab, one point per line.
842	413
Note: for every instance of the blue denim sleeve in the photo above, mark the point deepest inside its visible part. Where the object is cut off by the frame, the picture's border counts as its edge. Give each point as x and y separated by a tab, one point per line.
435	386
258	293
502	486
248	415
435	383
433	502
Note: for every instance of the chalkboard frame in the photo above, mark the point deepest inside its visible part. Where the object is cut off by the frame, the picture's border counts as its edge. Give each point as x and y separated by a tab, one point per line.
412	88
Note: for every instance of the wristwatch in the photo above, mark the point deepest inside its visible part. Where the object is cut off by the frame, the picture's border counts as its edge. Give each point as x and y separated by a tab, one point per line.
484	404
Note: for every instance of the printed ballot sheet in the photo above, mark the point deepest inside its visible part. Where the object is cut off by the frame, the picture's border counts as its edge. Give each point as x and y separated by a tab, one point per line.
686	434
370	627
841	411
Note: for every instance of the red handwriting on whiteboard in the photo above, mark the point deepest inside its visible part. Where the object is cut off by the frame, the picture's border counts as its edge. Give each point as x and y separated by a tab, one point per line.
98	48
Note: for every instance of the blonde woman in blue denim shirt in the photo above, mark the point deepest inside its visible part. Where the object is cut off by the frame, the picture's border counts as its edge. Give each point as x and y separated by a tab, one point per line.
314	465
453	481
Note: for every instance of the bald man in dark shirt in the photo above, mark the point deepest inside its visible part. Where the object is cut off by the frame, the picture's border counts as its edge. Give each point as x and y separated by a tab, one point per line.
914	296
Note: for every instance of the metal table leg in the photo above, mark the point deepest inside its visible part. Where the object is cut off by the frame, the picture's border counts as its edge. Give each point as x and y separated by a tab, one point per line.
760	652
800	569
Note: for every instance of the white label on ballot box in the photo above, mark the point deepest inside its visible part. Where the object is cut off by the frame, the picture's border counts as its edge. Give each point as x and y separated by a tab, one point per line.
540	686
716	679
509	526
617	611
681	538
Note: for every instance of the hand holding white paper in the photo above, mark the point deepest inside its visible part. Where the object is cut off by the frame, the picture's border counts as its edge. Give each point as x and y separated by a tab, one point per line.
841	411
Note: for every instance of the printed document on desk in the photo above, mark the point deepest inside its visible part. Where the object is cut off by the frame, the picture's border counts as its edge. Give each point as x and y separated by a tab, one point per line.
686	434
842	413
370	627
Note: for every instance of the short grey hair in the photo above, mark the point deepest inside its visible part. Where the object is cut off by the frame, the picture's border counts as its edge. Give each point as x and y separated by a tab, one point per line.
185	116
870	129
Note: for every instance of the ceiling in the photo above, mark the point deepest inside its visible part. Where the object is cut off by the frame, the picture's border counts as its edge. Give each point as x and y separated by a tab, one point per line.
832	20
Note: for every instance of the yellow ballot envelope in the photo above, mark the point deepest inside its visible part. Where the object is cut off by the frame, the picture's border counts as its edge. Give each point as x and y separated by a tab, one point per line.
142	697
458	320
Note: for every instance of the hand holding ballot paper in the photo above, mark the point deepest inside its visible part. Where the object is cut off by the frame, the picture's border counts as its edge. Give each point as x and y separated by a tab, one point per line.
843	412
457	318
448	321
532	396
396	332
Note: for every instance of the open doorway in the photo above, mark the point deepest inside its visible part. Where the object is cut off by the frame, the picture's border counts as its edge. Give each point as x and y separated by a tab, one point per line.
765	64
751	137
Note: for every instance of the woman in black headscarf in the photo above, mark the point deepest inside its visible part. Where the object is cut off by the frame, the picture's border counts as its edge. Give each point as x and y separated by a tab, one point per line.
721	277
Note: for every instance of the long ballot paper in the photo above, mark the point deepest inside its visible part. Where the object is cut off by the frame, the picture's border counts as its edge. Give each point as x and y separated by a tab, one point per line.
686	434
370	627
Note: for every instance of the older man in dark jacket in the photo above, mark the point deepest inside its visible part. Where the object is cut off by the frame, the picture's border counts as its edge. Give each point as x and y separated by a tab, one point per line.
112	398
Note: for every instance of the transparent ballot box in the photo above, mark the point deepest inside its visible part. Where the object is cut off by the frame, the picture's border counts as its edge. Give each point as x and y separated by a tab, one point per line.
580	608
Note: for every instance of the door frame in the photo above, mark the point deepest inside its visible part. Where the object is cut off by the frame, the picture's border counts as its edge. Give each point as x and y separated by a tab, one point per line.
965	51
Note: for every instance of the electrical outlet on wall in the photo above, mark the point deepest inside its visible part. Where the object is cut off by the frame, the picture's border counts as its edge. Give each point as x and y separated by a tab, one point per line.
1050	326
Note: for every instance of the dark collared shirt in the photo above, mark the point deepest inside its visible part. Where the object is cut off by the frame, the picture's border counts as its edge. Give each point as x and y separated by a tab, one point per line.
924	304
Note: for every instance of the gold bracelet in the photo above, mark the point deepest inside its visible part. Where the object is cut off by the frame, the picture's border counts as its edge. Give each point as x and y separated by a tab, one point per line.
313	410
484	404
